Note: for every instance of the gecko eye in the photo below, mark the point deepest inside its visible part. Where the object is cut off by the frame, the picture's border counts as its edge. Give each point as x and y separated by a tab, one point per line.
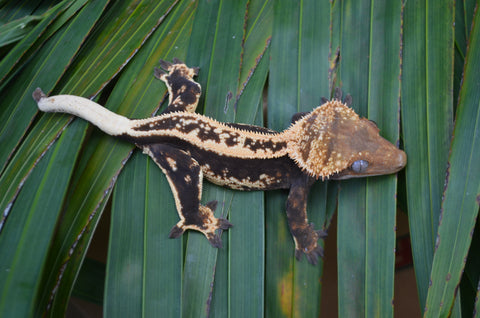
359	166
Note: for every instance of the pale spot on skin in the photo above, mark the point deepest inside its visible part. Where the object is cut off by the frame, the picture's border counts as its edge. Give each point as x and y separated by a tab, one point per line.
172	163
178	101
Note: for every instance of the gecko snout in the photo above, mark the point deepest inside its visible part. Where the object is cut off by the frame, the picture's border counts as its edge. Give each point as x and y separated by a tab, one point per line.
401	159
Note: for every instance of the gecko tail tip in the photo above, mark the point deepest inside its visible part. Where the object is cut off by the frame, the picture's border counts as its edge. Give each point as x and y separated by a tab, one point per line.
38	94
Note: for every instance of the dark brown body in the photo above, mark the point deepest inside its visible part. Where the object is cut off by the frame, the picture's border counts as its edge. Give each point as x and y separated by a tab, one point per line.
235	173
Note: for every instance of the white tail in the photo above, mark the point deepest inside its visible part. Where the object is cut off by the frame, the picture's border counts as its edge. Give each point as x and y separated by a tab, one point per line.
111	123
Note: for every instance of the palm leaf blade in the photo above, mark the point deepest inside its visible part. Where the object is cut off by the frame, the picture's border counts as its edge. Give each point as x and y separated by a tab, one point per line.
123	288
384	90
155	250
298	55
351	235
427	122
219	79
10	60
462	196
25	245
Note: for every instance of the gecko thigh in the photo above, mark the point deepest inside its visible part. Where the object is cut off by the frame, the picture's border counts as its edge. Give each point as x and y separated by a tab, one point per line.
184	176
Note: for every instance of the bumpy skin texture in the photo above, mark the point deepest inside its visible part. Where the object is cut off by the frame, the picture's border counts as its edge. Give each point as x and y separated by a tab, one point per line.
331	141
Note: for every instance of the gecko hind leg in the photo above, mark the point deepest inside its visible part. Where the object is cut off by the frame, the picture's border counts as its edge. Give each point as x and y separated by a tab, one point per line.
185	178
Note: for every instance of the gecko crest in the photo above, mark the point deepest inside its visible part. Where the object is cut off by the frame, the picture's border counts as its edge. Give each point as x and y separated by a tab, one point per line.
312	138
333	141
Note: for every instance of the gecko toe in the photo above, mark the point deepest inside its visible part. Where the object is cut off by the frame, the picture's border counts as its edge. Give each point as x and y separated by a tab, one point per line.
212	205
348	100
312	258
321	234
177	61
298	254
165	65
158	73
176	231
338	93
224	224
215	240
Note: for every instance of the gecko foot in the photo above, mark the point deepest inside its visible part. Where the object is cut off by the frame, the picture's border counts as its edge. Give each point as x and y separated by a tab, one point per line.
178	67
183	91
210	224
214	238
204	222
306	242
313	255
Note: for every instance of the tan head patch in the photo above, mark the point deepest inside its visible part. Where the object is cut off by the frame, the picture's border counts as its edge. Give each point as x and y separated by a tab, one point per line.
311	137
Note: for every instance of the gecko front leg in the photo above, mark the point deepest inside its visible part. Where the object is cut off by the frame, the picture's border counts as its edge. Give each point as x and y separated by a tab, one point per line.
305	236
185	178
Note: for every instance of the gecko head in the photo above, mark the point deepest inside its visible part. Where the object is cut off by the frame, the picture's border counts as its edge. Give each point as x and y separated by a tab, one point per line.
334	142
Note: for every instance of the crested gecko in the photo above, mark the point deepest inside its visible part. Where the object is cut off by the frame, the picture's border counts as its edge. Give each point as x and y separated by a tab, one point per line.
330	142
